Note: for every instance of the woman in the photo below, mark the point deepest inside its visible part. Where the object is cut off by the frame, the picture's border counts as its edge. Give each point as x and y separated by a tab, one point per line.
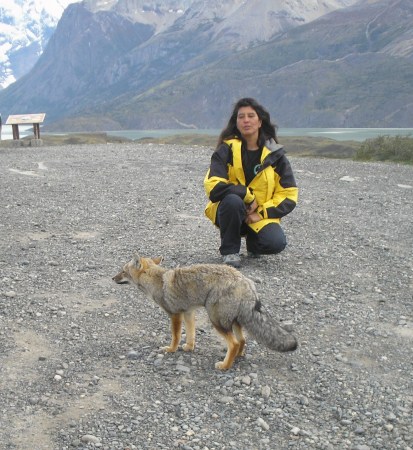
250	184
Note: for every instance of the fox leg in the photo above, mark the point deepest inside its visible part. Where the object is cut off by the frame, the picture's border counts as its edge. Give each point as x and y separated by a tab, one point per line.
189	320
232	351
240	338
176	330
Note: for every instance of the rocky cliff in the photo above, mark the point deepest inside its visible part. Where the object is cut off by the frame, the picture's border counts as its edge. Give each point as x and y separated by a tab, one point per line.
118	67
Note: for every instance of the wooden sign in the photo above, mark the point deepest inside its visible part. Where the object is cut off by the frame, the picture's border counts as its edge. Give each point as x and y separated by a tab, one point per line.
22	119
26	119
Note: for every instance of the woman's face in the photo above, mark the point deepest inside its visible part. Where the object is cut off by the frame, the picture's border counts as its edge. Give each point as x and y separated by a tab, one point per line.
248	122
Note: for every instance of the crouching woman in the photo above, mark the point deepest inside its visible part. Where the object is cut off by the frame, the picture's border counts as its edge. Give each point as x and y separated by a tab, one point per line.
250	184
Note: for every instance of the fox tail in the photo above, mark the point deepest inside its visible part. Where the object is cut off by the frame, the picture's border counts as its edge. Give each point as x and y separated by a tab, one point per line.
264	329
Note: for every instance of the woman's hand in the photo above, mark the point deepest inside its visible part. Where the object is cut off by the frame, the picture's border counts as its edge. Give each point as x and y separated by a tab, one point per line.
252	207
252	215
252	218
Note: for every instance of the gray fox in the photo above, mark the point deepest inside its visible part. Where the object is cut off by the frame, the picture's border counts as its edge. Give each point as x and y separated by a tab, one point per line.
229	298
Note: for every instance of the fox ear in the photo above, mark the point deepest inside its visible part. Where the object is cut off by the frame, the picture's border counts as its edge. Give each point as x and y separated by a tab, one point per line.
157	260
136	261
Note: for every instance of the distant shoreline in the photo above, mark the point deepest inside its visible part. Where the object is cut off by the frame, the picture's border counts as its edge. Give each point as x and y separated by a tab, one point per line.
380	148
294	145
337	134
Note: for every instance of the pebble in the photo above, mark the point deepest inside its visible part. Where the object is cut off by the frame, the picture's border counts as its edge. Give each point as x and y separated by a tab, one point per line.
89	438
34	400
226	399
263	424
266	392
133	355
391	417
347	178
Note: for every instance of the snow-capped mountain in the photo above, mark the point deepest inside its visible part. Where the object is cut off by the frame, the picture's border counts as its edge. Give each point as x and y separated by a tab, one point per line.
27	25
122	64
25	29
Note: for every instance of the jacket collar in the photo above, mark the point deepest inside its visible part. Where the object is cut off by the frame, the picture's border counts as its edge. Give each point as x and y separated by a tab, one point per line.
270	156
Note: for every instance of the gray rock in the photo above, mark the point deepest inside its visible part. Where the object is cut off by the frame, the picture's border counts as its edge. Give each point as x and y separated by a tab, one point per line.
89	438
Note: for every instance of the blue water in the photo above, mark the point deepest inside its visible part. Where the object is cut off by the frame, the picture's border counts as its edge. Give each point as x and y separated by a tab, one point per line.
338	134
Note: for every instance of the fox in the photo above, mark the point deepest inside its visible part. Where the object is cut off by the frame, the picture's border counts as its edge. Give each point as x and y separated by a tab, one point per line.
229	297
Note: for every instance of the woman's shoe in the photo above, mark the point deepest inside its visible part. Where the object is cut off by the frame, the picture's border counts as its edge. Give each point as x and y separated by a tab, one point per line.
253	255
233	260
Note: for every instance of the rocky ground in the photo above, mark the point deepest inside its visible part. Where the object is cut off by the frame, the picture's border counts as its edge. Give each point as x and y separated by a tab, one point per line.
79	360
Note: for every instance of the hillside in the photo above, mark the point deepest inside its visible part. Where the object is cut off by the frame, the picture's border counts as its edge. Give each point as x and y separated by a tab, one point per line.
350	68
338	71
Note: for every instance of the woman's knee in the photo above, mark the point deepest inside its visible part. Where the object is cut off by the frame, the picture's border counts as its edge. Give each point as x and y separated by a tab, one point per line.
232	201
232	206
271	240
276	245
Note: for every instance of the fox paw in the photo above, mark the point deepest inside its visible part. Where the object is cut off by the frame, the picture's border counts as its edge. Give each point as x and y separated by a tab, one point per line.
221	366
188	347
168	349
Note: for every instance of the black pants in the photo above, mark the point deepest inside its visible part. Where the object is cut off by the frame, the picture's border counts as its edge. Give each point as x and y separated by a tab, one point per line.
230	220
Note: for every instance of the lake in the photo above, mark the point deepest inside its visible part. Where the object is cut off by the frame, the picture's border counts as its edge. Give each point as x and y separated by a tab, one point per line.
338	134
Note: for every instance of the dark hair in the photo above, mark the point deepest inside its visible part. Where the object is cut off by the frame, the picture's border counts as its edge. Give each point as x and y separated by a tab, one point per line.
268	129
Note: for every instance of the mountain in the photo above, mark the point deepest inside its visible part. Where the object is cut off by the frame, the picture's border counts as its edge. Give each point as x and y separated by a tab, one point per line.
27	25
25	29
124	64
350	68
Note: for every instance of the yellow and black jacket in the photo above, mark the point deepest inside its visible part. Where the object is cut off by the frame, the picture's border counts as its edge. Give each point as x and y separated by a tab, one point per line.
273	186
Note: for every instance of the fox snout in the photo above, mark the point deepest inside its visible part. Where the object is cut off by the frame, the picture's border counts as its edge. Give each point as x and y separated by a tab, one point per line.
121	278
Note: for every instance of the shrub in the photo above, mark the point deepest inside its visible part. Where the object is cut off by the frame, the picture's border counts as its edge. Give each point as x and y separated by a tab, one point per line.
386	148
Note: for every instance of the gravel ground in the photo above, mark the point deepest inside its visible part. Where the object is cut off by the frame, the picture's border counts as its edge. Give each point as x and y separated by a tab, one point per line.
79	360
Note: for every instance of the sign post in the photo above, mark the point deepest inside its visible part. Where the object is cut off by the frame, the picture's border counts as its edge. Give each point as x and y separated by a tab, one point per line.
26	119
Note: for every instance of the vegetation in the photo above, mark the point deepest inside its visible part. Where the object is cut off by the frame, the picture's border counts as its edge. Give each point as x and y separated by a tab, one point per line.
397	149
386	148
296	146
66	139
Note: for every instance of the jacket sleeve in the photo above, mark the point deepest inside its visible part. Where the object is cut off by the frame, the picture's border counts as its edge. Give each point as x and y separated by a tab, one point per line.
216	183
285	195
